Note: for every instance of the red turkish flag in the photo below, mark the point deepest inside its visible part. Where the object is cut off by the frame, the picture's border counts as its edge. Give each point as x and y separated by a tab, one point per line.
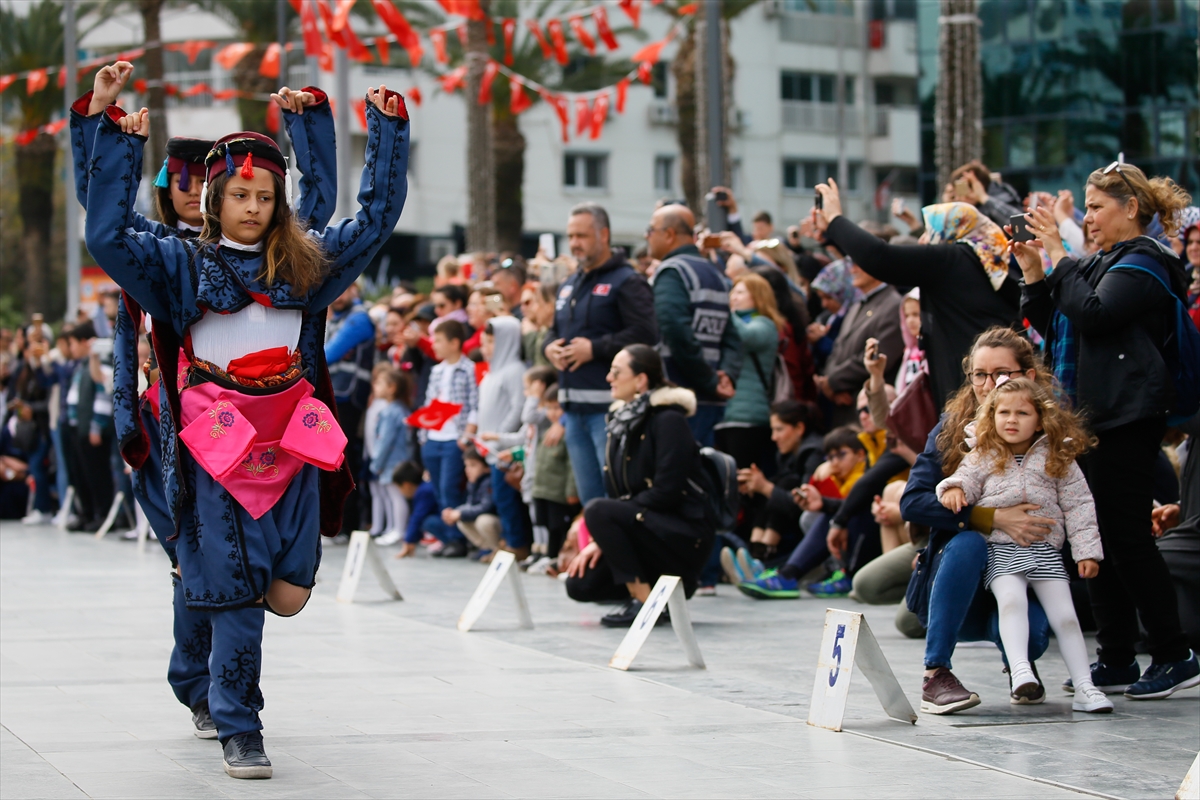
536	30
602	28
519	101
434	416
397	24
599	115
385	53
633	9
327	19
622	90
25	137
690	8
438	37
53	128
650	52
583	115
269	68
355	47
509	26
312	34
191	49
229	55
325	60
582	35
560	43
414	94
36	80
559	104
202	88
225	94
7	81
341	17
646	72
485	82
454	79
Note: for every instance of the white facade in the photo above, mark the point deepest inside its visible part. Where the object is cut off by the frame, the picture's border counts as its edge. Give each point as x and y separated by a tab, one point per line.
638	151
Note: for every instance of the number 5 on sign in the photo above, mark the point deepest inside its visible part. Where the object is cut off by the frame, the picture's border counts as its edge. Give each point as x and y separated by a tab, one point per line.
848	641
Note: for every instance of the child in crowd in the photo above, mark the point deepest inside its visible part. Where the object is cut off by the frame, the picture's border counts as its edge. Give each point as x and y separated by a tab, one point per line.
476	516
914	362
556	501
451	381
533	425
1025	447
385	446
845	461
421	497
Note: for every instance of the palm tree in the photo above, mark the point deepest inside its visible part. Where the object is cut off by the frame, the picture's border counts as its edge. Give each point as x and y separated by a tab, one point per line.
28	42
958	114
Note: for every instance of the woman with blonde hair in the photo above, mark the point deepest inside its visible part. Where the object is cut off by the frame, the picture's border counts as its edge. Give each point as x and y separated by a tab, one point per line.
745	432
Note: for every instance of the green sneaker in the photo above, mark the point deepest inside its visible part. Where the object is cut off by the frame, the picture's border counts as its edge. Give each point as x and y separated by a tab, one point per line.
770	585
838	585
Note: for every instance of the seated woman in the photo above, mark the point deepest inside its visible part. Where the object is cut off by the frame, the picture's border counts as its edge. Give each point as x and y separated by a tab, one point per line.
655	520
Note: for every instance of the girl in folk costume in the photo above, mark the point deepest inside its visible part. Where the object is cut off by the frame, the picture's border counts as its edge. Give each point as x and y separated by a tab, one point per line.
255	472
177	200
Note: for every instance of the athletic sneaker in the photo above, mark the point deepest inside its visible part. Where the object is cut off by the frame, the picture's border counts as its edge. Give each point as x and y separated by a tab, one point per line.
1090	699
205	727
942	693
428	540
731	567
245	757
1163	680
838	585
1109	679
1025	686
770	585
751	567
389	538
37	518
1028	698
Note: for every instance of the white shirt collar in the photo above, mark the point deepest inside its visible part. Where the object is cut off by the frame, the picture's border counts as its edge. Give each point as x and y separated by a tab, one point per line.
253	248
183	226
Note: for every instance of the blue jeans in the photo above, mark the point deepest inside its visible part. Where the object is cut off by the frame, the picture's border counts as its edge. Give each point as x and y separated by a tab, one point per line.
508	508
445	464
586	437
444	533
40	472
960	609
61	478
703	420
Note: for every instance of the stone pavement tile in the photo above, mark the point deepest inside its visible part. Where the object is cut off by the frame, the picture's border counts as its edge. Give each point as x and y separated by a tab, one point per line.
733	788
411	780
131	784
141	760
36	780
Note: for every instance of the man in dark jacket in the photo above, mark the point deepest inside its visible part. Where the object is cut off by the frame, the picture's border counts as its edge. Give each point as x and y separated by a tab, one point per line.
700	348
603	307
350	353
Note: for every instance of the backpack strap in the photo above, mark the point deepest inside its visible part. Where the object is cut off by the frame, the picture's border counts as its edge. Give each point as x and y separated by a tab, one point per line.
768	386
1141	263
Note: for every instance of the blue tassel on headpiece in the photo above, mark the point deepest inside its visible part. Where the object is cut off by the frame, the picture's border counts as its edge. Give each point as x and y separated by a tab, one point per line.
161	180
229	167
185	179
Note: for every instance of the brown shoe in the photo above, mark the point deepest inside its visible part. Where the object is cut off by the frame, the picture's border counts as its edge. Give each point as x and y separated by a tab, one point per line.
943	694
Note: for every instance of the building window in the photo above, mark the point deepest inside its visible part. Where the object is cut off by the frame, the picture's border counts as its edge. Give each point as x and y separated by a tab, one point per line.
838	7
664	173
807	86
658	80
585	171
801	175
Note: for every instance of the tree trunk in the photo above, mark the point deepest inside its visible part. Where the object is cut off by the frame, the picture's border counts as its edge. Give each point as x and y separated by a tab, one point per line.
247	79
508	146
35	180
481	175
684	70
156	100
958	116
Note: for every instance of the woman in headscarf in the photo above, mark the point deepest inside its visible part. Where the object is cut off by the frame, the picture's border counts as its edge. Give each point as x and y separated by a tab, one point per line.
835	288
966	283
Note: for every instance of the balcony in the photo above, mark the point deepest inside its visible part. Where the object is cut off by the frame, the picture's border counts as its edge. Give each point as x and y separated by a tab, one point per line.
809	117
662	112
819	29
895	135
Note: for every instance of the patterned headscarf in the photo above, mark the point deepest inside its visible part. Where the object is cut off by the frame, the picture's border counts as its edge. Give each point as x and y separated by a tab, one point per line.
835	280
962	222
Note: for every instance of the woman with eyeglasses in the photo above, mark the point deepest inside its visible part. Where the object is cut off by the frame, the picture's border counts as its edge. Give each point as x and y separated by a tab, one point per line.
1109	321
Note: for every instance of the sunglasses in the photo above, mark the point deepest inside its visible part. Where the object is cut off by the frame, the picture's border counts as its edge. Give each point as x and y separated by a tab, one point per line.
1116	167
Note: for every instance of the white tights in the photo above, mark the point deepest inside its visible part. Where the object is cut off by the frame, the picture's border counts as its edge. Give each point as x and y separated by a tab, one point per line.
389	509
1055	597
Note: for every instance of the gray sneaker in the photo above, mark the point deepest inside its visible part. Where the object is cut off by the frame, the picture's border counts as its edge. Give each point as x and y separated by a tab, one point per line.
245	757
205	727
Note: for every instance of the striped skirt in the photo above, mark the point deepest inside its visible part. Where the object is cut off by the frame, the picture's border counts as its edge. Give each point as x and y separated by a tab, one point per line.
1039	562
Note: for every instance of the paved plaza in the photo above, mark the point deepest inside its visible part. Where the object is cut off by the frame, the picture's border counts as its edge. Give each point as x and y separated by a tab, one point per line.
386	699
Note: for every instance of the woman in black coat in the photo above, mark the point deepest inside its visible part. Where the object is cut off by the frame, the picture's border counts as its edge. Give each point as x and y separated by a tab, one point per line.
655	520
1108	320
963	273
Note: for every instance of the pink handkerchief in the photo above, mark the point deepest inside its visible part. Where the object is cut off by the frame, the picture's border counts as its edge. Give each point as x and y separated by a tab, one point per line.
219	438
314	436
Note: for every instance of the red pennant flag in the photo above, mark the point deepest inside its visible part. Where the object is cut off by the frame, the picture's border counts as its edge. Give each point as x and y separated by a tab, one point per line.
269	68
327	19
434	416
646	72
191	49
414	94
25	137
355	47
360	111
582	35
273	114
583	115
632	9
7	81
128	55
296	5
599	115
397	24
454	79
325	60
559	103
471	10
438	37
489	28
602	28
555	28
53	128
690	8
139	85
385	53
461	30
312	34
36	80
229	55
225	94
650	52
341	18
485	83
536	30
519	101
62	77
622	90
509	26
198	89
170	89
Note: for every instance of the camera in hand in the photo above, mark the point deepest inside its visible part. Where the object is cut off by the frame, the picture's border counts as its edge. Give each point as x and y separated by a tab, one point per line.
819	201
1020	228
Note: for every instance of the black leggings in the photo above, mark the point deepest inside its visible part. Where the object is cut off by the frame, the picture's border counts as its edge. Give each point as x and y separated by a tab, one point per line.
634	553
556	517
89	468
1134	581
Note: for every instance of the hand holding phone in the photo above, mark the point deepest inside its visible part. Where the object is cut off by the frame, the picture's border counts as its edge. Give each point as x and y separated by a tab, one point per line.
1020	228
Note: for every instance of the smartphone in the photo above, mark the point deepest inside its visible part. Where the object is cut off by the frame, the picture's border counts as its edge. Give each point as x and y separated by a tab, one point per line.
962	187
720	196
1020	228
714	213
546	245
711	242
819	201
872	352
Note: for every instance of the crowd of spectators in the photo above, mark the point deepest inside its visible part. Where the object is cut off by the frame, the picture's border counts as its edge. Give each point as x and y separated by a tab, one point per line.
557	408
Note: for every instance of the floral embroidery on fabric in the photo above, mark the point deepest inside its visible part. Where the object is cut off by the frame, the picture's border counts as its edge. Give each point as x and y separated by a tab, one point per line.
313	418
223	419
263	466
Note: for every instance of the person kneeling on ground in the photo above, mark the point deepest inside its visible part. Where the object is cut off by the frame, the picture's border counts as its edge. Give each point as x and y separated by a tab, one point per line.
658	522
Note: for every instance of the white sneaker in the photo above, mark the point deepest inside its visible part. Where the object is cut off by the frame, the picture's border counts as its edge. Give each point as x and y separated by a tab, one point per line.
1090	699
389	538
1024	684
37	518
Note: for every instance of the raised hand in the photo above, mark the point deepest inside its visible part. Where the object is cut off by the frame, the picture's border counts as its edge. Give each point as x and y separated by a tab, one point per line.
389	106
109	83
831	204
138	122
293	100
